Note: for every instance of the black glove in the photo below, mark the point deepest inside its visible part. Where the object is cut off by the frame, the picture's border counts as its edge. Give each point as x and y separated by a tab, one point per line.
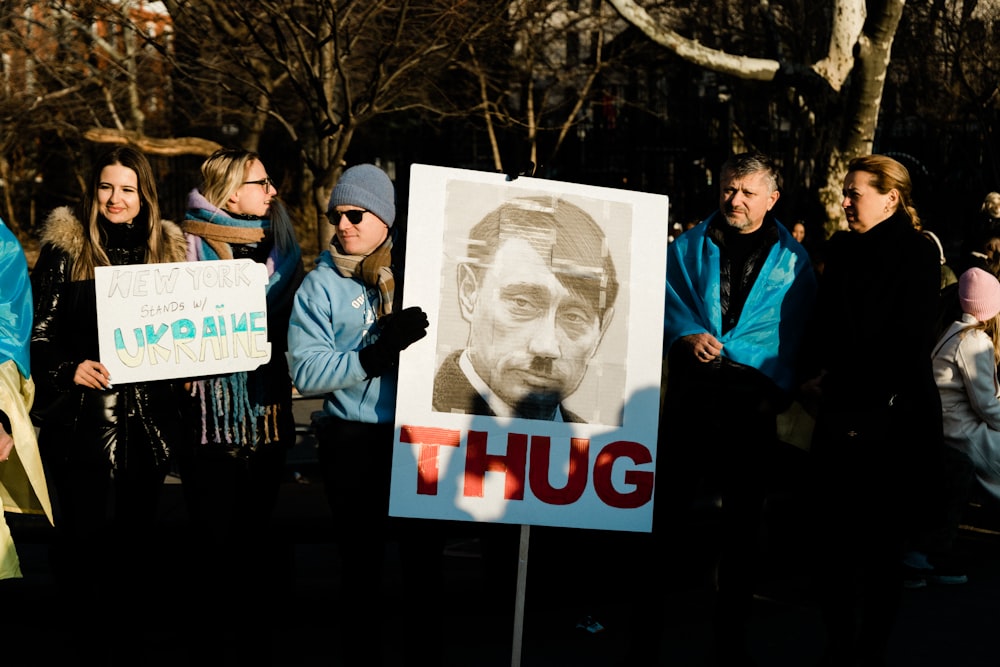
399	331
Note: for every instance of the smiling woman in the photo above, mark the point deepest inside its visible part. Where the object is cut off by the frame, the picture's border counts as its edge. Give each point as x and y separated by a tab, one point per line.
118	194
107	445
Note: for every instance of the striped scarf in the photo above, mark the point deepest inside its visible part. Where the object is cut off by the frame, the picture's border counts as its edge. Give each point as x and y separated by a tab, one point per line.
232	412
374	270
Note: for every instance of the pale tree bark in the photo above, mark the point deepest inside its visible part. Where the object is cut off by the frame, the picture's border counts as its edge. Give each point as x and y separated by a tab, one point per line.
118	51
874	54
853	73
151	145
485	108
558	106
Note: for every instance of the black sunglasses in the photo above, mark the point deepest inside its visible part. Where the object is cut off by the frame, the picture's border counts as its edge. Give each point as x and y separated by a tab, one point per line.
353	216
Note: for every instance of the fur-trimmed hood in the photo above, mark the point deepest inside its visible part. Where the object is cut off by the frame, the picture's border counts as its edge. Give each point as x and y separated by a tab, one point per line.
64	231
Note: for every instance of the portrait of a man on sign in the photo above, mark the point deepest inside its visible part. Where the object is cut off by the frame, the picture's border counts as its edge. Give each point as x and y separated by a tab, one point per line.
538	291
534	397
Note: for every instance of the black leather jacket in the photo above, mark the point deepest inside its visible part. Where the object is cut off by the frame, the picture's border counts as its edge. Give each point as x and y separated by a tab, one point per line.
138	421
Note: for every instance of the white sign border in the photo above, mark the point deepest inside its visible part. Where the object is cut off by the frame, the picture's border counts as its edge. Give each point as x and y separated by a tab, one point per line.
636	225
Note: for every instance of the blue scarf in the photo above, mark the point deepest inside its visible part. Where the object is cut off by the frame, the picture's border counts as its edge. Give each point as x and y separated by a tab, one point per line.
231	412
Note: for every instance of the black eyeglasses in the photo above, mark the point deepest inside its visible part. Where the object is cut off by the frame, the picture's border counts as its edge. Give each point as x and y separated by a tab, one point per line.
354	216
265	183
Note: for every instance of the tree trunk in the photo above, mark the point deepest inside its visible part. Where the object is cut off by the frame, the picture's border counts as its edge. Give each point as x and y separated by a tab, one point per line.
853	73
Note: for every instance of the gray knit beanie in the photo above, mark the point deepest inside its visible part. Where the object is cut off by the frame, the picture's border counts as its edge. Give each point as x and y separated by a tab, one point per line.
369	187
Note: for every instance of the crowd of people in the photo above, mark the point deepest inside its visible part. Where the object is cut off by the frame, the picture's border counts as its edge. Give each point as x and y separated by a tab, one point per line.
905	425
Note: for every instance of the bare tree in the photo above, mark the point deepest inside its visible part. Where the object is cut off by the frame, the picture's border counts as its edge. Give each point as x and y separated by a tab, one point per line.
71	72
842	89
946	73
555	55
320	69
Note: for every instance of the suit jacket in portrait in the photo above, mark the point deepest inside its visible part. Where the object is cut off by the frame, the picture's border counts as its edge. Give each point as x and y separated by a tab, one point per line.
453	393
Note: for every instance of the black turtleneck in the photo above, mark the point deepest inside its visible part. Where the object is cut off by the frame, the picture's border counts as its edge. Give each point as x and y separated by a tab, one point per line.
742	256
258	252
125	243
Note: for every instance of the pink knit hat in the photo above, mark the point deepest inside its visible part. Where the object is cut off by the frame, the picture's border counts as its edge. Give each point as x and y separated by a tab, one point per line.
979	294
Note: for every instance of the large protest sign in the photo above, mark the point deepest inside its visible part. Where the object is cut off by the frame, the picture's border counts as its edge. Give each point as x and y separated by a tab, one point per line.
534	398
182	319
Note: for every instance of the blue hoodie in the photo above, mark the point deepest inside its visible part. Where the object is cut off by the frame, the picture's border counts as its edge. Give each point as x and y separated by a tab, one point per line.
333	317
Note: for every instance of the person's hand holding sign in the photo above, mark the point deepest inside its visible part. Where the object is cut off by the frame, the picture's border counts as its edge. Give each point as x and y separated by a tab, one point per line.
92	374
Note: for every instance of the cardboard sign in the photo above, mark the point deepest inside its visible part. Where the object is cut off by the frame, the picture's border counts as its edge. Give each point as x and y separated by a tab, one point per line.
182	319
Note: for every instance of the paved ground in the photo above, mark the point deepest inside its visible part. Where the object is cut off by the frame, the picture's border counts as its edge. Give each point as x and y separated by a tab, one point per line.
939	625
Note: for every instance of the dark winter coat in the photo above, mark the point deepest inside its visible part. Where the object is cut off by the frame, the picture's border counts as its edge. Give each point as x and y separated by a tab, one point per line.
879	423
78	423
877	308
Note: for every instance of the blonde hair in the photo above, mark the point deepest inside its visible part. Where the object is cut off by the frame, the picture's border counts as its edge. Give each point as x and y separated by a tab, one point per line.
992	251
992	329
887	175
93	254
224	172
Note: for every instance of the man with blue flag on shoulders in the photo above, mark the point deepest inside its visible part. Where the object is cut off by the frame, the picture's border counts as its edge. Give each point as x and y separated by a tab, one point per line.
739	291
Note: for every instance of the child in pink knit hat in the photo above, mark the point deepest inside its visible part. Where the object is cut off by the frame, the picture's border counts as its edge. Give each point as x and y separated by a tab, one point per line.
979	294
965	370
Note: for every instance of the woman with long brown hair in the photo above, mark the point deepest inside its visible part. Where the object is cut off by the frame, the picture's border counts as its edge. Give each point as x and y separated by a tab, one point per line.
106	446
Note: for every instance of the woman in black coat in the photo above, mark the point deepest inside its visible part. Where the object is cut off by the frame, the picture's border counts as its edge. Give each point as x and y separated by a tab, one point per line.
878	426
106	447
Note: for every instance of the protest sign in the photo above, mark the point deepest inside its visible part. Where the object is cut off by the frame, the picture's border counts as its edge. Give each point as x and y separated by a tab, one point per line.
534	398
182	319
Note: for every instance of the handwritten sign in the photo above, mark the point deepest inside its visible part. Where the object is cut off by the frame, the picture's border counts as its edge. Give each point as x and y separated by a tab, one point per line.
182	319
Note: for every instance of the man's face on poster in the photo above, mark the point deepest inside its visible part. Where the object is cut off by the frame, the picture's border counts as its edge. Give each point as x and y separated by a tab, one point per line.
531	335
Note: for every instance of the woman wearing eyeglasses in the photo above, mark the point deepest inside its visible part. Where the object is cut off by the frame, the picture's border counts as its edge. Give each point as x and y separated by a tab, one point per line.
242	423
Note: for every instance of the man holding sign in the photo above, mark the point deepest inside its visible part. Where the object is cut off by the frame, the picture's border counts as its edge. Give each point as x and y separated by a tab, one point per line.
344	340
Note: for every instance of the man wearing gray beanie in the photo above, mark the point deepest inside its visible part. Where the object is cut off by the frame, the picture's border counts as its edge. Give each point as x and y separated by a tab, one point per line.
368	187
344	340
